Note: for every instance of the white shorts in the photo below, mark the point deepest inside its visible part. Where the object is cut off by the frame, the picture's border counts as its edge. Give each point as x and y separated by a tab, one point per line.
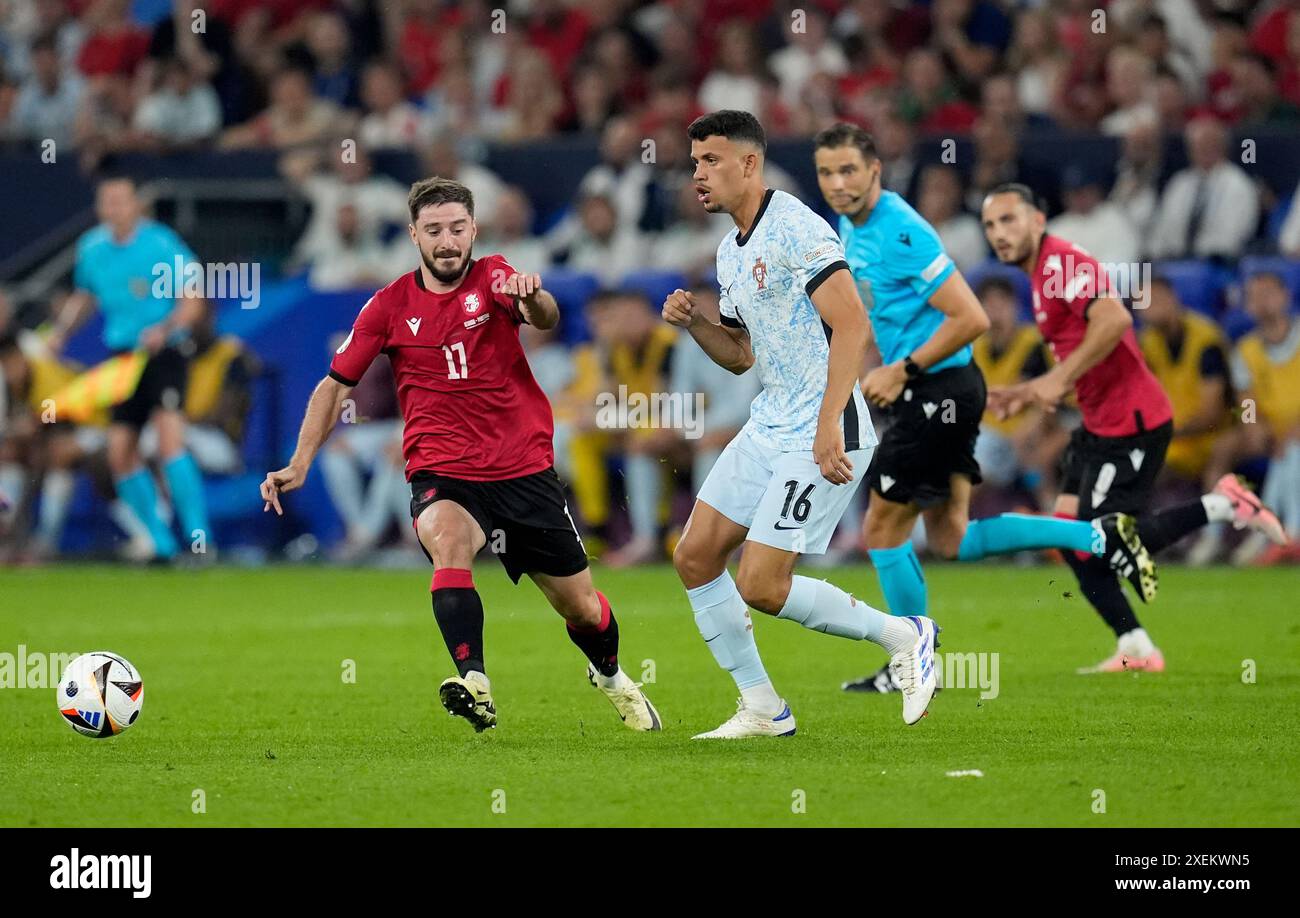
781	498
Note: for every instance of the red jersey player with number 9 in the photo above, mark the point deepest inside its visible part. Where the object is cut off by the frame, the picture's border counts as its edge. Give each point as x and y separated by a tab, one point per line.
477	442
1113	457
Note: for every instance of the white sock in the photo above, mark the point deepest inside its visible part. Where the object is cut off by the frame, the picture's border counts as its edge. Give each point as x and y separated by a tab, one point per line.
620	679
824	607
481	678
762	698
1136	643
1218	509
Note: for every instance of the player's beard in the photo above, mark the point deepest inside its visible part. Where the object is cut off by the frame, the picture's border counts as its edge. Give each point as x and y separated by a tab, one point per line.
447	277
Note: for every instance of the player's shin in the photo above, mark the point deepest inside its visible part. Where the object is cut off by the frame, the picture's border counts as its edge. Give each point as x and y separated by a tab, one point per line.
138	492
901	580
1012	532
824	607
459	613
600	641
1101	588
724	623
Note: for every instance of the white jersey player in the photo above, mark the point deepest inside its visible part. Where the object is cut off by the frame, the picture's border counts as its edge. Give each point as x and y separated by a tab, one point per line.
789	307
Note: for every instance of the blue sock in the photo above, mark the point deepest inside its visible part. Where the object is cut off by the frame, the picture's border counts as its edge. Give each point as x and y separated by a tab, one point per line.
901	579
137	492
724	623
1011	532
186	485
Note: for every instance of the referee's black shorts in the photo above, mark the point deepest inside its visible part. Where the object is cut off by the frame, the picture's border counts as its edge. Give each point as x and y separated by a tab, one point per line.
525	520
162	385
931	436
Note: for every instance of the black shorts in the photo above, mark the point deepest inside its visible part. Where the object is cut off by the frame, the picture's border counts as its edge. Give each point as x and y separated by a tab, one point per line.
525	520
162	385
1113	474
931	436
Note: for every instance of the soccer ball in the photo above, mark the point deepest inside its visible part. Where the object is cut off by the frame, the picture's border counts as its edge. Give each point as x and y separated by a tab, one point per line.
100	694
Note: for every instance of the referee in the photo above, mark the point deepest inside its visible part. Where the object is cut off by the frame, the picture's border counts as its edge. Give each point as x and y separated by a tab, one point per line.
118	264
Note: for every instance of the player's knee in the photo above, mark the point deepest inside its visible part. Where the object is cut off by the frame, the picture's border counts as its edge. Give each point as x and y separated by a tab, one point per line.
581	610
945	542
692	567
451	545
762	591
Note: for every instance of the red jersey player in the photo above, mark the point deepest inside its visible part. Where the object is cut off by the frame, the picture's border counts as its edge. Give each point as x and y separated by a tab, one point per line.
477	444
1113	457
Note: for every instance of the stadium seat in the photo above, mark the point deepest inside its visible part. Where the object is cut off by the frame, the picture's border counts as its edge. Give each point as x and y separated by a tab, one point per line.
655	284
1288	268
1018	279
1199	284
572	290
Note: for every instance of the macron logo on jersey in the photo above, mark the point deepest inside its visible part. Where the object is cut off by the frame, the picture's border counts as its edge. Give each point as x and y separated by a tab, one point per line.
414	325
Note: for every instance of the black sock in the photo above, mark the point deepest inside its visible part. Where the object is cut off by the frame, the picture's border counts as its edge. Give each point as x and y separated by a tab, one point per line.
1165	527
1100	586
600	644
459	613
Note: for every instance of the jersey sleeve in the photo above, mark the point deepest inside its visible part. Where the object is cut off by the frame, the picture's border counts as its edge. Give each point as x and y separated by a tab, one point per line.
367	338
916	258
83	277
499	272
813	251
727	313
1083	280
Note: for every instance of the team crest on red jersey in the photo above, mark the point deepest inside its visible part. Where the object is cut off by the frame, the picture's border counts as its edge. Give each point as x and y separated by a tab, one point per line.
472	303
760	273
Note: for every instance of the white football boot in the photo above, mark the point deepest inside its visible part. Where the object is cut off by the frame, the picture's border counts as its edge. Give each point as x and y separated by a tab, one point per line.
914	670
746	723
471	698
627	698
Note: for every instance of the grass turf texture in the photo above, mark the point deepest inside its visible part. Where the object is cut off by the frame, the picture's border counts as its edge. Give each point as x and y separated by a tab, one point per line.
244	699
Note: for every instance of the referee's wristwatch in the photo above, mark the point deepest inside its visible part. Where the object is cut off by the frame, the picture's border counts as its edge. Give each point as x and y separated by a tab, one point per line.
911	367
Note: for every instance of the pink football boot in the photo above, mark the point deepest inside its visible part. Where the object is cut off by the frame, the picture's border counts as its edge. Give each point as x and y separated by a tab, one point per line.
1249	510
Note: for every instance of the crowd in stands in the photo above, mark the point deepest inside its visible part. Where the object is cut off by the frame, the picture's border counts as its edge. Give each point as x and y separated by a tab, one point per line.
313	80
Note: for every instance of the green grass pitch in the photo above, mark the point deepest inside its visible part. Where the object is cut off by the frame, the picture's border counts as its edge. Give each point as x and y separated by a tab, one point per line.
245	701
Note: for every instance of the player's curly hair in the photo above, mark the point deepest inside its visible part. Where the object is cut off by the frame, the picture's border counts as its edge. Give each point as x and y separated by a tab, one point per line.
437	190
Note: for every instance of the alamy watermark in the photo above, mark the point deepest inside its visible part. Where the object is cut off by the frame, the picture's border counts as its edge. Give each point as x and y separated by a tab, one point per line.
624	410
235	280
1088	279
35	670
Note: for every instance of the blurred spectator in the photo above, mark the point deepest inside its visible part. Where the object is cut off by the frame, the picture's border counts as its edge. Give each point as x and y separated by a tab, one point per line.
1209	209
1129	90
1266	371
104	121
1172	103
390	120
553	368
726	396
670	170
295	117
420	26
636	352
368	443
594	101
1153	43
618	57
47	103
690	243
328	52
559	30
1229	42
1188	37
734	82
622	175
179	113
939	201
1189	355
1092	222
377	204
1010	352
929	99
604	246
895	142
210	56
24	23
1037	60
1136	191
1258	99
972	34
510	233
810	52
443	158
998	159
533	103
356	259
999	100
114	44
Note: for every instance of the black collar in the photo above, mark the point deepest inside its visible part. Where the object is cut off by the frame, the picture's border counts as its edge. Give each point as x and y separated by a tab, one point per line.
742	238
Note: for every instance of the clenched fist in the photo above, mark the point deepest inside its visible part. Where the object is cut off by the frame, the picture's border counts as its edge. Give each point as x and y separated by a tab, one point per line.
680	310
